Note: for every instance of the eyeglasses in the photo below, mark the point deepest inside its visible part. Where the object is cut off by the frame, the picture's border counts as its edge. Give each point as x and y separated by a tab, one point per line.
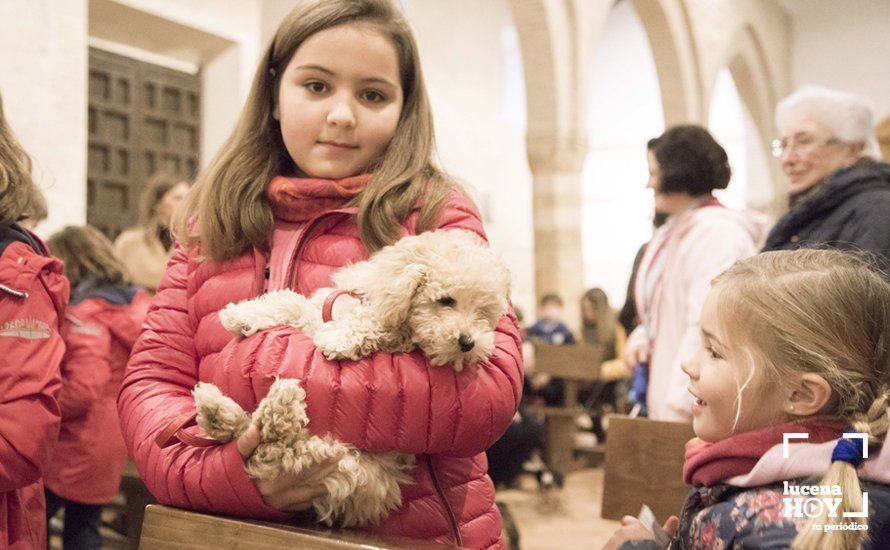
802	143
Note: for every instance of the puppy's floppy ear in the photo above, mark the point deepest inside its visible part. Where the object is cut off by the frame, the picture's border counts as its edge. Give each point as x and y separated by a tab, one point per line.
393	295
390	279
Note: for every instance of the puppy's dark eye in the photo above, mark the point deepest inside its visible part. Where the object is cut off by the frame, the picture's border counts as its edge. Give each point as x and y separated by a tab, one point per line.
447	301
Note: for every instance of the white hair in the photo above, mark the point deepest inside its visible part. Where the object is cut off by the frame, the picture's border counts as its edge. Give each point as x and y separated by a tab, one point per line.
848	116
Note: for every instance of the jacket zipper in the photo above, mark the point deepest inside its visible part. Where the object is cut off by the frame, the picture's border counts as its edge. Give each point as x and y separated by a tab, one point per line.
451	518
16	293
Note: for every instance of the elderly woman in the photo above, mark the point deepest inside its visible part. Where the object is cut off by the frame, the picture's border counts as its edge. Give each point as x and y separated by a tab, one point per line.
840	192
700	239
146	248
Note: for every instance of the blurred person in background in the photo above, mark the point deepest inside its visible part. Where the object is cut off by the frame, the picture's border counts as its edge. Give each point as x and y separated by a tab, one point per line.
600	329
699	240
628	315
549	329
839	189
101	326
146	248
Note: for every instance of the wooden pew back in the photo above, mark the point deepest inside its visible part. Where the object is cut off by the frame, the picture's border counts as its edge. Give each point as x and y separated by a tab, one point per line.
644	465
575	364
170	528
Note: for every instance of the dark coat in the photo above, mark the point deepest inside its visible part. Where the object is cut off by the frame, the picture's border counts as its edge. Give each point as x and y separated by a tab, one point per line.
850	211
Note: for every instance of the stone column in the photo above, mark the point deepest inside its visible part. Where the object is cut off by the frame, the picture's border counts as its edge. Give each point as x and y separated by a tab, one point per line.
556	164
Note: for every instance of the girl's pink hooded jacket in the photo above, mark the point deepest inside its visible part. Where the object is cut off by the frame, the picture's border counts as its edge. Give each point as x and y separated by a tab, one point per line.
384	402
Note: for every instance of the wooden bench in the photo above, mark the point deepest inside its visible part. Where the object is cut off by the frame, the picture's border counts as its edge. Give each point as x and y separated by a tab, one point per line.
137	498
644	465
170	528
576	365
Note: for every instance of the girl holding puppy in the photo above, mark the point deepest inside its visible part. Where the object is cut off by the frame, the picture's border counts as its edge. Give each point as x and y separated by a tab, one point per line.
792	342
330	161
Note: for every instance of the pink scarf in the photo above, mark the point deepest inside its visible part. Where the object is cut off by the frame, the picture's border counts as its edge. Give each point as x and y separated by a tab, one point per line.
711	463
301	199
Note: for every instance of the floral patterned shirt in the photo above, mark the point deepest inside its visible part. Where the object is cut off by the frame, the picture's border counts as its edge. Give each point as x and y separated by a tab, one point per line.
724	517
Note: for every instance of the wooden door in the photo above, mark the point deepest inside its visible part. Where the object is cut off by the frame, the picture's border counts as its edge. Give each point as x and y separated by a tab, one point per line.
142	118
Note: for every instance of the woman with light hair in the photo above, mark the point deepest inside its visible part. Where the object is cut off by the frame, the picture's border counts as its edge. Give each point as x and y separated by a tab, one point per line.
839	189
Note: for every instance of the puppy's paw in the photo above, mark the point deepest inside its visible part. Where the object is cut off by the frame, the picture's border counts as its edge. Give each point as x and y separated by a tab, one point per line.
218	415
281	415
234	319
337	343
286	392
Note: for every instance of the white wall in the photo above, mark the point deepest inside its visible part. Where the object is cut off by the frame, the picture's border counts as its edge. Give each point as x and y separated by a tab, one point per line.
726	122
43	81
624	112
843	45
470	58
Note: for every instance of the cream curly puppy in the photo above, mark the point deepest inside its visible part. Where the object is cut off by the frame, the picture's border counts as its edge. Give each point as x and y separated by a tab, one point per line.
440	291
363	489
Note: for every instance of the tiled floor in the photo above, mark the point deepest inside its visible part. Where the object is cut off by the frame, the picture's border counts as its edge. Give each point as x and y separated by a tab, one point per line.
568	520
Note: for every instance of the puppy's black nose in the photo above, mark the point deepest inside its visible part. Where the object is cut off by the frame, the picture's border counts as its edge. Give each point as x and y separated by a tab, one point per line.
465	342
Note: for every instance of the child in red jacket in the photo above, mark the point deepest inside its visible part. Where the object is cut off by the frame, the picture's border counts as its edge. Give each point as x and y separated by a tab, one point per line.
100	327
332	159
33	296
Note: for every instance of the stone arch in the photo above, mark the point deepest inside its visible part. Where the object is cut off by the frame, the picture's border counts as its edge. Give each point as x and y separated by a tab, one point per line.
745	59
555	40
667	26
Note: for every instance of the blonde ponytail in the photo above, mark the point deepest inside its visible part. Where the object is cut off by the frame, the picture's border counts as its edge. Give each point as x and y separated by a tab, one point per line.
817	533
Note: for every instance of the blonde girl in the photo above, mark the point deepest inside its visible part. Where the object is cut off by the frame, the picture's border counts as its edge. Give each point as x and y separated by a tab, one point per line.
792	342
330	160
33	296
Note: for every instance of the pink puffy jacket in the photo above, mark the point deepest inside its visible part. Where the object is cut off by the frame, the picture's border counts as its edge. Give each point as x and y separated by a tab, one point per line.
385	402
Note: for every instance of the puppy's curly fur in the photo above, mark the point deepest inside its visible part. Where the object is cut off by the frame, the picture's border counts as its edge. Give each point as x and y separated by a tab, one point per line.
441	291
363	489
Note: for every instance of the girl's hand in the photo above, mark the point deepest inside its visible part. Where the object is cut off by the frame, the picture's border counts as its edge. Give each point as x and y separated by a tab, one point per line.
633	529
636	353
287	493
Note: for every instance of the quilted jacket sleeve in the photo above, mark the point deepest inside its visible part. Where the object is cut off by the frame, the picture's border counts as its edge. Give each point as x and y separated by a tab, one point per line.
85	368
34	294
156	389
398	401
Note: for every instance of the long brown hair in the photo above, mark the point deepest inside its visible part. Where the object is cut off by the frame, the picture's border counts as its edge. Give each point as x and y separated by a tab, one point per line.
17	189
228	202
88	256
824	312
602	330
